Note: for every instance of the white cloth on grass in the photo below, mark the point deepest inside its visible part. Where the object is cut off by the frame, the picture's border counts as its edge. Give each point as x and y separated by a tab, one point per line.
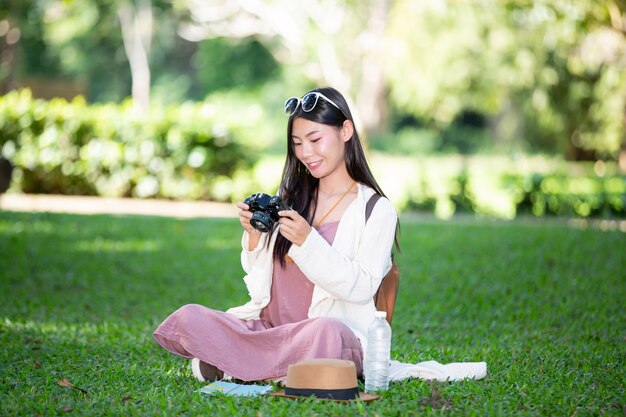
428	370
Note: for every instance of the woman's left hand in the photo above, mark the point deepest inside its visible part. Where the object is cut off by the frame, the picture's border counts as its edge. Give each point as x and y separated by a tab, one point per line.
293	226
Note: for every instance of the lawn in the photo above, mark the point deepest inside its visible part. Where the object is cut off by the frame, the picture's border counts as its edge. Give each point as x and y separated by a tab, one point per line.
541	302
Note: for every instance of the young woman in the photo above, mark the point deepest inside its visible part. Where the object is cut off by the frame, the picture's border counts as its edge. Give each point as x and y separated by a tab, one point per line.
312	278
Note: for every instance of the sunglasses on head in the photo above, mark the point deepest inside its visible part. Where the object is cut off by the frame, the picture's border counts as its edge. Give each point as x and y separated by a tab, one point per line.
308	102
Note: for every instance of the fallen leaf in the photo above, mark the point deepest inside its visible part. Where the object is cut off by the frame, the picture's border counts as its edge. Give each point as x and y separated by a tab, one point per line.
65	383
37	365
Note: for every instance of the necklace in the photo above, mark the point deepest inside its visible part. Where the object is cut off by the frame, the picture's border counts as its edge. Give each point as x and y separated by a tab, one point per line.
335	205
287	257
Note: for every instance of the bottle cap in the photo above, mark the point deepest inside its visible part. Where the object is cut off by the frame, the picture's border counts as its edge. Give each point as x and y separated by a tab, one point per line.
382	314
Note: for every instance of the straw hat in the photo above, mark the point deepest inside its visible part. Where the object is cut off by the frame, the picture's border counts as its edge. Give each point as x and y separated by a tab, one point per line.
329	379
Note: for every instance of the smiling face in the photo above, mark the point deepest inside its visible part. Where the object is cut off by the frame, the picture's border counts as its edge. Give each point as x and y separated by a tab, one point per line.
320	147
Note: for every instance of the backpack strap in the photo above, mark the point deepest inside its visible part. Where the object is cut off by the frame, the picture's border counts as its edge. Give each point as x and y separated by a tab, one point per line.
385	297
369	207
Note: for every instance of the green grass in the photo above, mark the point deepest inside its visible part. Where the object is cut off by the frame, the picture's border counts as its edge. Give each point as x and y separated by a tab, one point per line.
542	303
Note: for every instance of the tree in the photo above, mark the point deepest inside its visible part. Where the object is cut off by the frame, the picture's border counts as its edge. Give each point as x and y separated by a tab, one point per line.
555	66
331	43
579	95
73	40
16	29
95	42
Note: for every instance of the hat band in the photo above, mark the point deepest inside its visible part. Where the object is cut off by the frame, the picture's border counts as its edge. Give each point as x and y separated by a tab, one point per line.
332	394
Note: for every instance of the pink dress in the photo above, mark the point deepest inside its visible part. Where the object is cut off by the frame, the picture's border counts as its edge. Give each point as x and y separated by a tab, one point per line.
252	350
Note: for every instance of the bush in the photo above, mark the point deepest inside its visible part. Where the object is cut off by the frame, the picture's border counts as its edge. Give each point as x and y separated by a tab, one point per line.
499	186
193	151
75	148
581	196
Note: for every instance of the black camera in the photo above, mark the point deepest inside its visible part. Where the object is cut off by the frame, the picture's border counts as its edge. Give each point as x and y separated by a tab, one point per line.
265	210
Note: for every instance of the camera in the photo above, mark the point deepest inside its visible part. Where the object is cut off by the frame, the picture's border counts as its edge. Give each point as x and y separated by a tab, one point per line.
265	210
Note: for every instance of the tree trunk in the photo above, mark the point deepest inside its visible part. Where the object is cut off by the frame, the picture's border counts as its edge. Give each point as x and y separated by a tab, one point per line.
372	95
137	34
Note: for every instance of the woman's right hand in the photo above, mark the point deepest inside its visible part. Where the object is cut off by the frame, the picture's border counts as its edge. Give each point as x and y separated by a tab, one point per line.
244	218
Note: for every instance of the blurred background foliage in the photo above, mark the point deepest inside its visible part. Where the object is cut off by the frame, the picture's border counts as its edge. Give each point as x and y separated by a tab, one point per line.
496	107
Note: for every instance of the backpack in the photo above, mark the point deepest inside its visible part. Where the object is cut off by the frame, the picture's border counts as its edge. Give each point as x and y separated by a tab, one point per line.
385	297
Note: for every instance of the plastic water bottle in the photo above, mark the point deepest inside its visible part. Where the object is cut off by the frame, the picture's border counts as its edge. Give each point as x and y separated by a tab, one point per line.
376	368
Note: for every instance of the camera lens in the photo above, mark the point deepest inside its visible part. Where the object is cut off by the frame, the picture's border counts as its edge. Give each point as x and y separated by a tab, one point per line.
261	221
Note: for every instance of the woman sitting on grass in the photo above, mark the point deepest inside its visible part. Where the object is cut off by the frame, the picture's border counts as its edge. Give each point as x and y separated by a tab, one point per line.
312	278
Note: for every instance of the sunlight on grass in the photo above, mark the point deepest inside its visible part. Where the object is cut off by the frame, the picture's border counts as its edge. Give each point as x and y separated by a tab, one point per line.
37	226
603	225
109	245
222	244
73	331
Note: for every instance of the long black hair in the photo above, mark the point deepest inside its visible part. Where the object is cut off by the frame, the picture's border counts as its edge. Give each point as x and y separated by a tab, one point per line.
298	188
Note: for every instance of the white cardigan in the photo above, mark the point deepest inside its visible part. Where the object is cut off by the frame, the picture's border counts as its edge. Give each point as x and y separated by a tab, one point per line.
346	275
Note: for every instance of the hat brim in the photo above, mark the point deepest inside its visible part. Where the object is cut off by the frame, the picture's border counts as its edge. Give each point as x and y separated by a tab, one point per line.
363	396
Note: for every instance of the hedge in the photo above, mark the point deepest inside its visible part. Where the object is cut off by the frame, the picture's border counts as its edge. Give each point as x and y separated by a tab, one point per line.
74	148
502	186
190	152
580	196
